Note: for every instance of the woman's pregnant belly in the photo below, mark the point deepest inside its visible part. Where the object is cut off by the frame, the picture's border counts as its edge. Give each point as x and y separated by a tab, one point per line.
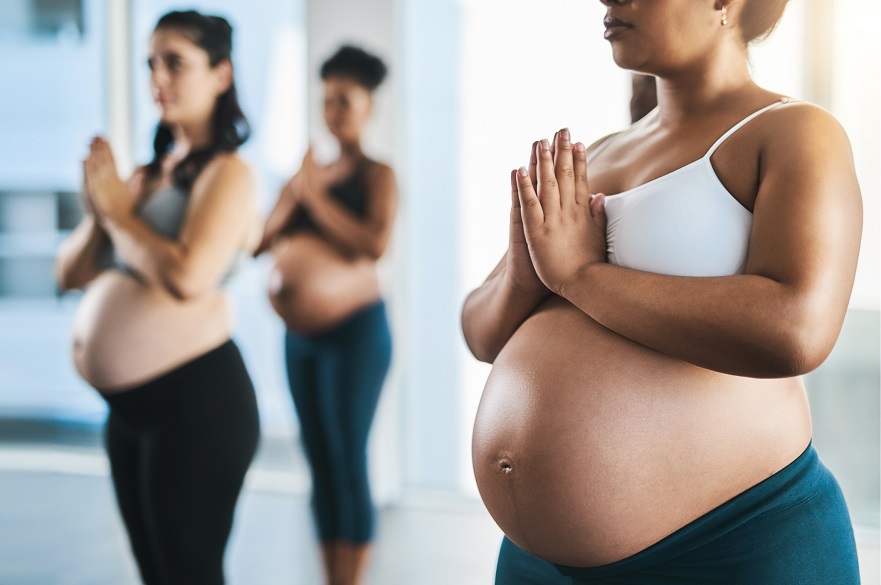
127	333
313	287
589	448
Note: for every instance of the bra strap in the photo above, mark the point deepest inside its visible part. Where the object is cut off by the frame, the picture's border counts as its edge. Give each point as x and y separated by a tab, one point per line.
743	122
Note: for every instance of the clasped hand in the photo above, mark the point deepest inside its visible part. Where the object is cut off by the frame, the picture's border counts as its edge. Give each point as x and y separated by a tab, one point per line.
106	195
312	181
563	225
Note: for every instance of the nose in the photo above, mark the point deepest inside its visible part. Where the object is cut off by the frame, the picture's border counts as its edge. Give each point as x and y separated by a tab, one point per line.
158	77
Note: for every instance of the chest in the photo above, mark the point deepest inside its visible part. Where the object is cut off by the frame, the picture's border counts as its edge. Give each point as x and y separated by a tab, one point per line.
638	159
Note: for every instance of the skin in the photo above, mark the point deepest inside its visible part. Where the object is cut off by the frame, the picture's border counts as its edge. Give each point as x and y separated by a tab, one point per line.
129	331
320	279
624	404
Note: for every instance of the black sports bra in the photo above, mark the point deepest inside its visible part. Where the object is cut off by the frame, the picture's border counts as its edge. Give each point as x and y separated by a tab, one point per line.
351	193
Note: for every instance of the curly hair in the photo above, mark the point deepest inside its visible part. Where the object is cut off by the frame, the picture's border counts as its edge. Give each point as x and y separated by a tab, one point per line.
354	63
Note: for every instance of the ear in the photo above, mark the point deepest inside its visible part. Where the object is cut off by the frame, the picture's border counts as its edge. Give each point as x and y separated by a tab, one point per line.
224	75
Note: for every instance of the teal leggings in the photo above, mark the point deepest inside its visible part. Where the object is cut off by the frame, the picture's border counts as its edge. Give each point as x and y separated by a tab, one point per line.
791	529
336	379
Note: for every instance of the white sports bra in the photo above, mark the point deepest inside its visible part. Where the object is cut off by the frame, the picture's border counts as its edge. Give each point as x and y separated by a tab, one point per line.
684	223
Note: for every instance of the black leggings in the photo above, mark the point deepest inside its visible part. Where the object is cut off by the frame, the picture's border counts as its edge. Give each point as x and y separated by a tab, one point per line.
179	447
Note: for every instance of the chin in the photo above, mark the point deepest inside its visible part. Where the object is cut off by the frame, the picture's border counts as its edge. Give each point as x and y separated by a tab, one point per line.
167	116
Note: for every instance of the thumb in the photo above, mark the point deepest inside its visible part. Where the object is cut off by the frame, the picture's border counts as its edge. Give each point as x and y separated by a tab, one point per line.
598	209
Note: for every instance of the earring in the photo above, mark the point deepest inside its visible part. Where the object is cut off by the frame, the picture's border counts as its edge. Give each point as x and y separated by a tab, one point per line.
724	15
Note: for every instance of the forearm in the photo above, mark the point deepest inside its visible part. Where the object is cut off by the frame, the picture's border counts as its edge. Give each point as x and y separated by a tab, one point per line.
78	260
158	260
745	325
354	236
493	312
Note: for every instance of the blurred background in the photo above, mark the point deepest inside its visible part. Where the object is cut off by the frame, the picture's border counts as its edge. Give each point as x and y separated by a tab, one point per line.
473	83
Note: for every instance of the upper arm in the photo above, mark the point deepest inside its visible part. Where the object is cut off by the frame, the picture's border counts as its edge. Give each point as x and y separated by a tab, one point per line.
807	219
219	220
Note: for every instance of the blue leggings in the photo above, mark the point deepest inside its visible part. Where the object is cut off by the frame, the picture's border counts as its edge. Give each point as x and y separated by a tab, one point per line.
336	378
791	529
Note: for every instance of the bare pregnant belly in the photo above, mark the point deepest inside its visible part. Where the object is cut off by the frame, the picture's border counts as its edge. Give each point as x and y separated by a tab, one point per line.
588	448
313	287
127	333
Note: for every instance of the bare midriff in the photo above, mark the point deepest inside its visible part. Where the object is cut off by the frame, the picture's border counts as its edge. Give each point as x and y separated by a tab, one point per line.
313	287
589	448
127	333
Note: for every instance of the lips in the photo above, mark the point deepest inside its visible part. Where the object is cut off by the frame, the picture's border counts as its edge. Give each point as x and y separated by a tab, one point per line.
615	27
162	100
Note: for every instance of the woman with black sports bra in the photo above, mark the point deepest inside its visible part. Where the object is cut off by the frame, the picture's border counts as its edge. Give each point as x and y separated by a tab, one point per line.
645	420
152	332
326	232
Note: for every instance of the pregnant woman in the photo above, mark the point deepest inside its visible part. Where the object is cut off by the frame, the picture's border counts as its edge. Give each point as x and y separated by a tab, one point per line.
645	421
327	231
152	333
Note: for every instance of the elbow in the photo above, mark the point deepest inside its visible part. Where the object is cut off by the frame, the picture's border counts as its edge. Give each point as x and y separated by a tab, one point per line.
478	347
375	248
62	279
802	351
483	354
803	344
480	351
65	278
183	289
183	285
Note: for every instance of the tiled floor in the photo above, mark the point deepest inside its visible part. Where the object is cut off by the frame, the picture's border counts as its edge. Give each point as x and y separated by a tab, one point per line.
59	526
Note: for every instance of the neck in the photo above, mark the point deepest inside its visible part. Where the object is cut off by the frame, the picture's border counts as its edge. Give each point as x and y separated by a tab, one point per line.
706	86
190	137
351	150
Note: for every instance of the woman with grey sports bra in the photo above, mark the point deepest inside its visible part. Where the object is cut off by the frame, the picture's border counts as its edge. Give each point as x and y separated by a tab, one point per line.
152	331
645	421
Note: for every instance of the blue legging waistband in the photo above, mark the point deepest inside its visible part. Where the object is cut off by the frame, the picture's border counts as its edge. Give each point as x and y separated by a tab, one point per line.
793	528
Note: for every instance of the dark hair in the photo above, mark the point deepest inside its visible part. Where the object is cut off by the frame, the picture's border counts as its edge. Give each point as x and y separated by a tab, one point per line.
230	128
759	18
356	64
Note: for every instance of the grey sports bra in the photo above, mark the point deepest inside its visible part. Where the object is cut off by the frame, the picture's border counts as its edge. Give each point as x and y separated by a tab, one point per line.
164	212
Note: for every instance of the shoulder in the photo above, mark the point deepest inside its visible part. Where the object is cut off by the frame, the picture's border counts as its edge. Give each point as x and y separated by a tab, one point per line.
591	148
799	129
380	175
377	170
227	172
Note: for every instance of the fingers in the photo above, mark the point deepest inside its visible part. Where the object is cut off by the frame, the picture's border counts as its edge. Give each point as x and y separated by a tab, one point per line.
135	184
548	188
515	198
530	208
563	167
533	165
101	158
579	167
86	176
